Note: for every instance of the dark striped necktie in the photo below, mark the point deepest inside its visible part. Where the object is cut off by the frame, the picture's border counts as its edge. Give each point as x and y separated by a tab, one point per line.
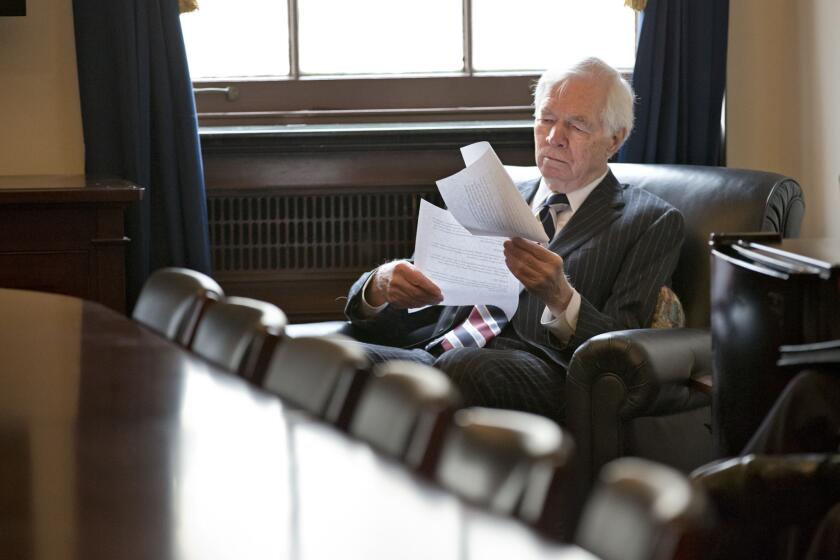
544	215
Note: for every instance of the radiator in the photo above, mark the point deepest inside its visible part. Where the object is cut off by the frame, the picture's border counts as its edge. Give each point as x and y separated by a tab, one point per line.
311	235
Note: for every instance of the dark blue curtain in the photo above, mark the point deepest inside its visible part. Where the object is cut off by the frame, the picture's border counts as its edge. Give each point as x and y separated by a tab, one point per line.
679	80
139	123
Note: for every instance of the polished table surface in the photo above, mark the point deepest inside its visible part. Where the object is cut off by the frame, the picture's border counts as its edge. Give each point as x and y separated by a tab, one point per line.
116	443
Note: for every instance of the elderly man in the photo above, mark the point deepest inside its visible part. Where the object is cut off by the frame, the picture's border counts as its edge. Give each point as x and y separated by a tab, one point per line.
612	247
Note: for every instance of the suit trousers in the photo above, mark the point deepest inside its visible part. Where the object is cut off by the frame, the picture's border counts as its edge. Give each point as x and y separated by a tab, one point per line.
504	374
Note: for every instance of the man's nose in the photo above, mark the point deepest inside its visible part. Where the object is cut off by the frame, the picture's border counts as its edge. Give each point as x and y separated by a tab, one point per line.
556	136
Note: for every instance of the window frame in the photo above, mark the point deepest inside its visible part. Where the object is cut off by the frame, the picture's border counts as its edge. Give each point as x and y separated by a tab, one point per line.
342	99
335	99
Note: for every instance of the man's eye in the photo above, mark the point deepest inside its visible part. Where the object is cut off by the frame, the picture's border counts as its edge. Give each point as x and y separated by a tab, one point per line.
545	120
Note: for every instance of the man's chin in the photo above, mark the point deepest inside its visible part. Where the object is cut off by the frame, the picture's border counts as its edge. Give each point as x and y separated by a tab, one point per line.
556	185
551	174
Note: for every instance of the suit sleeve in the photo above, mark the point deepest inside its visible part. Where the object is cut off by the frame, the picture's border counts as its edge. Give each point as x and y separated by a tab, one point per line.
646	267
390	326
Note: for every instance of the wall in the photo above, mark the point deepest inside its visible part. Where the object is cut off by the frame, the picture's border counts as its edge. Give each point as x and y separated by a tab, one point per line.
40	119
783	112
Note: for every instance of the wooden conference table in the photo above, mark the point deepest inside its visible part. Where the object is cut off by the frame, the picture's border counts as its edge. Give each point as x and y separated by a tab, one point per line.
116	443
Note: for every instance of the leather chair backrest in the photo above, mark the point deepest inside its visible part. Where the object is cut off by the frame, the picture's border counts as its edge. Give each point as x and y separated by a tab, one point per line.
403	410
641	510
757	497
716	200
172	301
712	200
507	461
239	335
317	374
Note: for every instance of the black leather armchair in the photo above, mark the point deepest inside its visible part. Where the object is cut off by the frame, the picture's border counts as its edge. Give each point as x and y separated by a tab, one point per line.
631	392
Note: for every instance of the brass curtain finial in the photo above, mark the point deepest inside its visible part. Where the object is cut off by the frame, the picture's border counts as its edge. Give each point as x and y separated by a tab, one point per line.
185	6
637	5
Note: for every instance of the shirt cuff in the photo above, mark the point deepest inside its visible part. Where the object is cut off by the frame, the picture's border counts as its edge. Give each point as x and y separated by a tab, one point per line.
563	326
366	310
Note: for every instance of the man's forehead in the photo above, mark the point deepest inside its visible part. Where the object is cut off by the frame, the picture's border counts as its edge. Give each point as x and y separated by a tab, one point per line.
582	98
570	109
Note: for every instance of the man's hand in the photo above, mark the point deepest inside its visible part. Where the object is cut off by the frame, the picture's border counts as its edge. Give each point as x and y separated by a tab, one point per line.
403	286
540	271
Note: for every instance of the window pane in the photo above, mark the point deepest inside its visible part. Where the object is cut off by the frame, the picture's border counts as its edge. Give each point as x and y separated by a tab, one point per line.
380	36
540	34
242	38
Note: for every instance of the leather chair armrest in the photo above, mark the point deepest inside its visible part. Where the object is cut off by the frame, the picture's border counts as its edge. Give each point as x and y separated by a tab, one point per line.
619	376
654	367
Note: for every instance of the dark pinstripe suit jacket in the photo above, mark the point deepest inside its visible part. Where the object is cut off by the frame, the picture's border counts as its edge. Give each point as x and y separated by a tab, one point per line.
618	248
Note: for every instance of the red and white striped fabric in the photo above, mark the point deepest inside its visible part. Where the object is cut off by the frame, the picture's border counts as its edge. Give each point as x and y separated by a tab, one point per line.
482	325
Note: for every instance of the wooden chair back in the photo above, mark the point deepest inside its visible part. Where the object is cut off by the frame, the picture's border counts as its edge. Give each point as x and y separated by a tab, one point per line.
239	334
172	301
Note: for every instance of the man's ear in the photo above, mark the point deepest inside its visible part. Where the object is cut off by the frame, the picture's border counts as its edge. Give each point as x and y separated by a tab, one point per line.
616	140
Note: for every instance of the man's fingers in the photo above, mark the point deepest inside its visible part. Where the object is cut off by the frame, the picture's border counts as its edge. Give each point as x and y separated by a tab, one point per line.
412	280
424	285
408	299
528	276
408	287
536	272
532	255
526	263
529	247
410	292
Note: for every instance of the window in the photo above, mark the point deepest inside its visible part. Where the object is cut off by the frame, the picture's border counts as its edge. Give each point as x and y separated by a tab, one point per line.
269	61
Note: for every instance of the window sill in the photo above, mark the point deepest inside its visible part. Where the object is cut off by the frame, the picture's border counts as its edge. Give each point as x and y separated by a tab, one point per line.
362	128
362	136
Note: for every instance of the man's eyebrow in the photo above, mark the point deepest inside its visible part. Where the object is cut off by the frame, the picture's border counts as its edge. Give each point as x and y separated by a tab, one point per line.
578	119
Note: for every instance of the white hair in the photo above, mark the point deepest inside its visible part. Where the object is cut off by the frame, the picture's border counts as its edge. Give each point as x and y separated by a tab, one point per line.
618	110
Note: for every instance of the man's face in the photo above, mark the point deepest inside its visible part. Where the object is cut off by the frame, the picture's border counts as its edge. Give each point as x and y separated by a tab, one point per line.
571	145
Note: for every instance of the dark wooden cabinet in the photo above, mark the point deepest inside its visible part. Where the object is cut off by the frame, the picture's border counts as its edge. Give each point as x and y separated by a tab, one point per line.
765	294
65	234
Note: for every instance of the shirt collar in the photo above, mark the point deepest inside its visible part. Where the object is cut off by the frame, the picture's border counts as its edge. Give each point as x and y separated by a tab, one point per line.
576	197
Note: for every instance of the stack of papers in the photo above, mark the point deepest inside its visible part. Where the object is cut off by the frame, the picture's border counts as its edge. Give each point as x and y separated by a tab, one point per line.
461	250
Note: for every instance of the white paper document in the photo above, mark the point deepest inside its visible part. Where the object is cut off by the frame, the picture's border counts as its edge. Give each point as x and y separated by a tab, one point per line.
484	200
468	269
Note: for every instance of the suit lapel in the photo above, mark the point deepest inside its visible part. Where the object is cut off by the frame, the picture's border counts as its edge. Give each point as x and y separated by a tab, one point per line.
528	189
601	208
